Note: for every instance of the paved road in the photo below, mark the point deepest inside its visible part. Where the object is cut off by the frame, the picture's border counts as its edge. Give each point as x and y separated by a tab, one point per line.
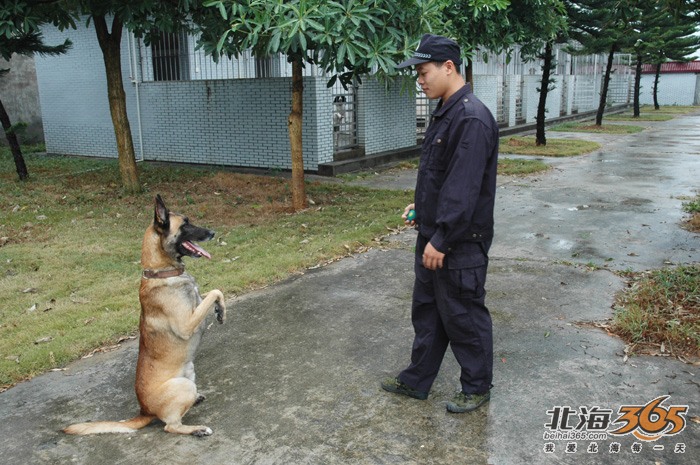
293	378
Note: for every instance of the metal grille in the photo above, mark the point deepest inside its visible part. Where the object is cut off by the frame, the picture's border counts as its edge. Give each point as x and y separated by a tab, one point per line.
501	113
344	118
174	57
422	113
169	57
519	118
564	95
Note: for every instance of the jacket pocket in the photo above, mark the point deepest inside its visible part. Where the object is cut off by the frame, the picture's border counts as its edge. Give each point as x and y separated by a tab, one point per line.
436	156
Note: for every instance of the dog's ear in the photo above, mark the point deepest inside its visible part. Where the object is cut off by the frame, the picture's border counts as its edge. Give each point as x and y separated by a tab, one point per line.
161	217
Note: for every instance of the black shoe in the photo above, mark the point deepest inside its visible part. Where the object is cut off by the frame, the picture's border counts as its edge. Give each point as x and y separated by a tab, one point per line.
397	387
463	402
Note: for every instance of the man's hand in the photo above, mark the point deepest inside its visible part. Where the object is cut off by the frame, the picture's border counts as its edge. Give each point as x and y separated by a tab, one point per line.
405	214
432	258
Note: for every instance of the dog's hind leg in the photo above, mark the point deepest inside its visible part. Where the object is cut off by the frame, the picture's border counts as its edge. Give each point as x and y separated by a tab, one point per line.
177	396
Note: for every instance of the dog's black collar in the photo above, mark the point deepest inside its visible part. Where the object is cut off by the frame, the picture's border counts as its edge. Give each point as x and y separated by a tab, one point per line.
162	274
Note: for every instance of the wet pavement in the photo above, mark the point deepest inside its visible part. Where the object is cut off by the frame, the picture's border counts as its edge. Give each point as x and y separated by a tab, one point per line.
293	377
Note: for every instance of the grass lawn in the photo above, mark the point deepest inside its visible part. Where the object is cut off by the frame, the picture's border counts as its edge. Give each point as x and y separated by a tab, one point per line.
629	116
554	147
521	167
659	312
506	167
589	126
670	109
70	243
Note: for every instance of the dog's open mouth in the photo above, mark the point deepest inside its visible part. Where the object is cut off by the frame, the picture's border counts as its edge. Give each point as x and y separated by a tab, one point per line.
195	250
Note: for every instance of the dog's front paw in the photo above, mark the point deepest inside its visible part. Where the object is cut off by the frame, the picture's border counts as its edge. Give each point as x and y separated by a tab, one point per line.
220	311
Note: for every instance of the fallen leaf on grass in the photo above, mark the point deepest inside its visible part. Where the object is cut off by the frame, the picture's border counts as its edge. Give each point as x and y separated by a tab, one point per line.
78	300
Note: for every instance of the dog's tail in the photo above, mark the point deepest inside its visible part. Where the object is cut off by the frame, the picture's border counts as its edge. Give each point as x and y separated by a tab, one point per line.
100	427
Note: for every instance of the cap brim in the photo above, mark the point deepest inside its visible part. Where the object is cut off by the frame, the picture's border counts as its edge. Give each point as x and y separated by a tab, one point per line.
412	62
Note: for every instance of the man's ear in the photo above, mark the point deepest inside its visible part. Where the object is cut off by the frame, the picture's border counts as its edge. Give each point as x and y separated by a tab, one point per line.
161	216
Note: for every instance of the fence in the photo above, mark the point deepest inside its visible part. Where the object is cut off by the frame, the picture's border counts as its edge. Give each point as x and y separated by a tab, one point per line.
578	79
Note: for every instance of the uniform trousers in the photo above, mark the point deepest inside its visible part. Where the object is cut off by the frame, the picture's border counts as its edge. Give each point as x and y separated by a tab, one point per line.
448	309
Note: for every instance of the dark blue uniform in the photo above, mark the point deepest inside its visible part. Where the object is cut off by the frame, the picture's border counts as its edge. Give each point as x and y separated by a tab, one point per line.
454	199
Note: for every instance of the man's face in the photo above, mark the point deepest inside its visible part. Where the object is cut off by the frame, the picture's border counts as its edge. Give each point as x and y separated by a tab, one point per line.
432	79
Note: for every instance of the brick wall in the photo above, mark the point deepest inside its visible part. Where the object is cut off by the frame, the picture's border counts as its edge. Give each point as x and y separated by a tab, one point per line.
236	122
73	96
386	116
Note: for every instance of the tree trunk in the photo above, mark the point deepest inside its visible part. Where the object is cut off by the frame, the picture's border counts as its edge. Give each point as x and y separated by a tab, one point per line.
110	43
294	122
540	138
14	144
469	74
637	83
604	91
656	86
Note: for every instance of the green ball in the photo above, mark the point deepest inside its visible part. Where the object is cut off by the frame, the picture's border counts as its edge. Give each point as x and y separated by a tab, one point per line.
411	215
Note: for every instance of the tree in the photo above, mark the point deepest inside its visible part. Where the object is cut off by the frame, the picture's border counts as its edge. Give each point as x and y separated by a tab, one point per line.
672	37
541	23
497	25
345	38
479	25
20	34
601	26
146	19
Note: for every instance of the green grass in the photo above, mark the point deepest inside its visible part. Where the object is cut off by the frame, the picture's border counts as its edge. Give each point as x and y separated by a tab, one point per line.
554	147
506	167
520	167
692	206
627	116
589	126
661	307
670	109
70	244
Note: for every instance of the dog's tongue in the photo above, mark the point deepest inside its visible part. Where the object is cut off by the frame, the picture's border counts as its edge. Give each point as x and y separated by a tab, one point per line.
192	247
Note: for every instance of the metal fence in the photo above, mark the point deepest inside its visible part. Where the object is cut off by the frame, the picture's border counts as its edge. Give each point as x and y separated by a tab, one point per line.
344	117
175	57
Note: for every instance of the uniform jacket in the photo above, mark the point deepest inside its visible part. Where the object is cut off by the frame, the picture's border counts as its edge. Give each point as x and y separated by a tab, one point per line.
456	186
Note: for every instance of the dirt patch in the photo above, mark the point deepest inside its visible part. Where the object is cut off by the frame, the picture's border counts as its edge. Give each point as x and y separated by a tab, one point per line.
693	223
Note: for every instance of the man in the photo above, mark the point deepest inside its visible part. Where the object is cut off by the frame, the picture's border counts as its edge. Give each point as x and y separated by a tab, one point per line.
454	203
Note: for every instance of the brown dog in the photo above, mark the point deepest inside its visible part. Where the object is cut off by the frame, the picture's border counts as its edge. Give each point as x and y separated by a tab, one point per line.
172	322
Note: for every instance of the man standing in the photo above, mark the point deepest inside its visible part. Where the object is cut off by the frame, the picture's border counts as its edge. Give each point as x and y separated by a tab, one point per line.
454	203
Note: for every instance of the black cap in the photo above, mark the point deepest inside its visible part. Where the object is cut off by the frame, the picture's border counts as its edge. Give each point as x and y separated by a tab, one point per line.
434	48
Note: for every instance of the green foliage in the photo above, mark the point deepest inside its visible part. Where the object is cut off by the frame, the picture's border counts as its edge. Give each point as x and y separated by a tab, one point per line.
345	38
693	206
498	25
20	27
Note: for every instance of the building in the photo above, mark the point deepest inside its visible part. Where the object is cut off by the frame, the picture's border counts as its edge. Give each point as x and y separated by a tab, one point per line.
679	84
183	107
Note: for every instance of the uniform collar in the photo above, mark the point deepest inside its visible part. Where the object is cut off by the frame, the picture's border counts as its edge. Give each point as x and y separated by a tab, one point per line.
457	96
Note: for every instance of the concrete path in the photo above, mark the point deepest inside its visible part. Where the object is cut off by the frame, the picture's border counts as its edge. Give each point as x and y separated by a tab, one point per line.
293	377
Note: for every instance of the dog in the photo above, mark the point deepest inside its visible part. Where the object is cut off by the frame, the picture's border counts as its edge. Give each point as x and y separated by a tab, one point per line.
173	318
